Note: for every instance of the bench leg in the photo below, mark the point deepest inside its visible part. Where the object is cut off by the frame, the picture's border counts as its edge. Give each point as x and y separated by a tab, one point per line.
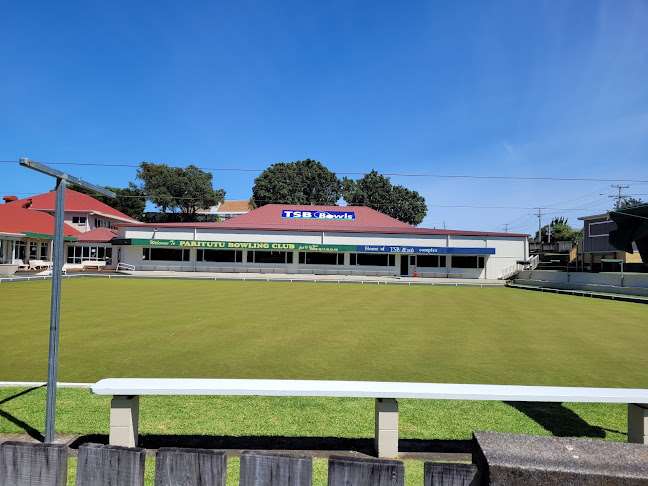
124	420
386	439
638	423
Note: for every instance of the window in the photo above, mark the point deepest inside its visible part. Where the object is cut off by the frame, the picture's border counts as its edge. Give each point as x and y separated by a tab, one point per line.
233	256
102	223
467	262
78	254
600	228
166	254
431	261
373	259
321	258
270	257
33	250
74	254
79	220
44	250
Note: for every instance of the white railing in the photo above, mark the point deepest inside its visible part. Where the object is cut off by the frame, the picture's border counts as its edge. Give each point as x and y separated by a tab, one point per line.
533	262
510	271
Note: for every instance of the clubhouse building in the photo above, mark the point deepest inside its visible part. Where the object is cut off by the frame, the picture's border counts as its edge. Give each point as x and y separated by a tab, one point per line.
349	240
27	228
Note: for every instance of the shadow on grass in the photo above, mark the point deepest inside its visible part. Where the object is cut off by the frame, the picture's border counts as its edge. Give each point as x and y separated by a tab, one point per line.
323	444
560	420
20	394
31	431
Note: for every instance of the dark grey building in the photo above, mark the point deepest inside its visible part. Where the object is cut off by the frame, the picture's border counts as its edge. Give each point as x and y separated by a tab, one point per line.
596	246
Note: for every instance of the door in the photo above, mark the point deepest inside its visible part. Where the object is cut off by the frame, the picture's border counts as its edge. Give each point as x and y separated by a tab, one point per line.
404	265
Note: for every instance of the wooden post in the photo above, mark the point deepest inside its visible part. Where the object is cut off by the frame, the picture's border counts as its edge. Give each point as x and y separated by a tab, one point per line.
450	474
190	467
343	471
24	464
275	470
101	465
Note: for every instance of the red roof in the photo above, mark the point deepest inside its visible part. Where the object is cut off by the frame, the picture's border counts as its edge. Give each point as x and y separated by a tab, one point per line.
98	235
367	220
18	220
74	202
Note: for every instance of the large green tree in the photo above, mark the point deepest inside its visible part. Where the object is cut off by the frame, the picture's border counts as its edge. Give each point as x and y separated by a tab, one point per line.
129	200
376	191
179	190
560	230
301	182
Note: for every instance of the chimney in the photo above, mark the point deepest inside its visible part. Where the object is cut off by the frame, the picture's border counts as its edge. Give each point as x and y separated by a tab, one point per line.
8	199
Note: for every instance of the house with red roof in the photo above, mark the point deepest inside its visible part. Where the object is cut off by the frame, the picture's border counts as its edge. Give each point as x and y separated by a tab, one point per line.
27	228
344	240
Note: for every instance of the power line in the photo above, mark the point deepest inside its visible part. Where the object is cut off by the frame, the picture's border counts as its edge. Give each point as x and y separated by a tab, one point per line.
389	174
274	201
620	196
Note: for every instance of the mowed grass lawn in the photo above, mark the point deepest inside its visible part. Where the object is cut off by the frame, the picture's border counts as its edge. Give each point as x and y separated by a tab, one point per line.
182	328
233	329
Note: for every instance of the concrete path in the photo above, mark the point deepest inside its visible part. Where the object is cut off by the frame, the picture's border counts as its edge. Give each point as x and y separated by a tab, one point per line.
287	277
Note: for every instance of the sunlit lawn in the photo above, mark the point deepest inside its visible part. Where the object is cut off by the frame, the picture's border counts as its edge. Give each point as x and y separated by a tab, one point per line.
184	328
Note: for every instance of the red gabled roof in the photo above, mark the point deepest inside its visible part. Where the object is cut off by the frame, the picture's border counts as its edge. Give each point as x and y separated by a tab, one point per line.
366	220
98	235
270	217
74	202
18	220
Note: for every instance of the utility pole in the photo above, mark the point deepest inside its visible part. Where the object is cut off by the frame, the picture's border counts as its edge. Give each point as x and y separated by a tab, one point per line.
506	228
539	225
619	195
62	180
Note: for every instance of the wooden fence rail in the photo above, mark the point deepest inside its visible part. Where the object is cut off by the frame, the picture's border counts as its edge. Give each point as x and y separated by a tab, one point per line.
27	464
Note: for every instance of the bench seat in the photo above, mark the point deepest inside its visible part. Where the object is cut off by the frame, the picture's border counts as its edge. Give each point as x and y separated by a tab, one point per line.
124	414
365	389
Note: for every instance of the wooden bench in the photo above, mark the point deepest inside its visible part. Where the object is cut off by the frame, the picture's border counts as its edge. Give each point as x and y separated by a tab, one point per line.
124	410
98	264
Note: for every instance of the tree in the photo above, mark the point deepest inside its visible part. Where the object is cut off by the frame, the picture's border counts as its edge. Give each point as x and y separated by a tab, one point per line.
301	182
130	200
628	202
560	231
176	189
376	191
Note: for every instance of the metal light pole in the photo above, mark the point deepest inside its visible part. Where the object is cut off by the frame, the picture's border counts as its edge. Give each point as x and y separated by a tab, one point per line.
62	181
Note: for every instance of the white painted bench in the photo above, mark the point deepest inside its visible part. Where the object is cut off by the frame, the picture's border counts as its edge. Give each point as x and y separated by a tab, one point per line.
98	264
124	409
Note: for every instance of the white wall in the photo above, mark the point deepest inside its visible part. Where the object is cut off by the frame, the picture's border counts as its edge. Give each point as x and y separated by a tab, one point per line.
508	250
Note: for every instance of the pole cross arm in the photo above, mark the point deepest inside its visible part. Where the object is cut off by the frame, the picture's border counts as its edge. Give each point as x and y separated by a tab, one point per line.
37	166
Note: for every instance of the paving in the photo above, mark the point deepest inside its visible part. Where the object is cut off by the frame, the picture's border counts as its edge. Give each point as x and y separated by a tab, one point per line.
287	277
271	277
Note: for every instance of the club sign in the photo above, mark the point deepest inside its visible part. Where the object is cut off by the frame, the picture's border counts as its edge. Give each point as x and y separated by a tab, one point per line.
319	215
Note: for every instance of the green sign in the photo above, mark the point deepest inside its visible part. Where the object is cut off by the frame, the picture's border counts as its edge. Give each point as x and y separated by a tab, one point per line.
236	245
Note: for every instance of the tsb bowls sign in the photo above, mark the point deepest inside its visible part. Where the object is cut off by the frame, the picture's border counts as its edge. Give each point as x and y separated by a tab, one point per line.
322	215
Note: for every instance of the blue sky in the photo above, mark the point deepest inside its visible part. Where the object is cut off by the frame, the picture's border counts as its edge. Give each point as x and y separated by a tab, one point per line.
527	88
